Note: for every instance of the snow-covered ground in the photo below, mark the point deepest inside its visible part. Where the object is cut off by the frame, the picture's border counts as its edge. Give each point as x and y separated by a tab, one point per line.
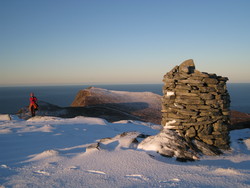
54	152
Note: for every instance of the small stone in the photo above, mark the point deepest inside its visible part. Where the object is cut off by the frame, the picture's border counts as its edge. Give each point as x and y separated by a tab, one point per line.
187	112
211	102
182	100
183	87
191	132
211	112
200	74
186	93
93	147
206	89
223	79
221	143
189	81
202	119
210	80
179	106
208	141
199	107
177	116
220	126
207	96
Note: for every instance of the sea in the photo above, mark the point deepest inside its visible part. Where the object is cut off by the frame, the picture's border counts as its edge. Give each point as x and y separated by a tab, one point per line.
13	99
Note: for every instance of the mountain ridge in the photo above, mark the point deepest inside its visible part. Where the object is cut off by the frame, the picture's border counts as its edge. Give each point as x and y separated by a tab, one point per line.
119	105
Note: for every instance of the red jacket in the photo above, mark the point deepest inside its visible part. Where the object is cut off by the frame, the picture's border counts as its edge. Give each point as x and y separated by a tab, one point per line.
33	100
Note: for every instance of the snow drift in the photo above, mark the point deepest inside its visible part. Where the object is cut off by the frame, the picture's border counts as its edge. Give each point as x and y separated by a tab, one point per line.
91	152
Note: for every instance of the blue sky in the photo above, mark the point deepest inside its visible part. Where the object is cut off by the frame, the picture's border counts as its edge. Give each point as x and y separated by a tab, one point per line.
121	41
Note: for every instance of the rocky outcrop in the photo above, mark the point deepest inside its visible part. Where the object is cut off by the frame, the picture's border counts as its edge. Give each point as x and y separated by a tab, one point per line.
196	104
239	120
144	106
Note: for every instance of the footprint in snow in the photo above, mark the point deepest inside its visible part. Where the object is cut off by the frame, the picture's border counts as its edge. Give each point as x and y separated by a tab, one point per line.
41	172
95	172
137	177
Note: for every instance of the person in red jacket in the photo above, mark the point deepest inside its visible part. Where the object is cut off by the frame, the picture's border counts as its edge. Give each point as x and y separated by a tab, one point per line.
33	105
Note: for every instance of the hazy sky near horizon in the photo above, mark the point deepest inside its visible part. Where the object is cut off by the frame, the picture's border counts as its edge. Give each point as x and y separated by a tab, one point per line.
121	41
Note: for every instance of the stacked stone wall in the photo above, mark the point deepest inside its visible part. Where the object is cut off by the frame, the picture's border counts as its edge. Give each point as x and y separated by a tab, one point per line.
196	105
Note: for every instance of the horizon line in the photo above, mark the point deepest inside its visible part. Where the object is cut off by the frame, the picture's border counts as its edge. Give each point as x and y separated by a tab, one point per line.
91	84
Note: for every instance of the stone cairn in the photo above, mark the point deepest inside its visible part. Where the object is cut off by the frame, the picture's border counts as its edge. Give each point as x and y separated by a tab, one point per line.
196	105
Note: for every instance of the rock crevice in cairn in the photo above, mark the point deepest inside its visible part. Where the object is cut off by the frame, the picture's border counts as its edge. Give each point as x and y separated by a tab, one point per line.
199	104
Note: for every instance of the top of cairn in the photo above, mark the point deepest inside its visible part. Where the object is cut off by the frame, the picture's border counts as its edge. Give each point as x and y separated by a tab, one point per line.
187	69
187	66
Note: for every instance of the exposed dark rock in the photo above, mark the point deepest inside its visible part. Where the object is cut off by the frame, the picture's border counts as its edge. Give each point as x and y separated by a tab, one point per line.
93	147
239	120
206	149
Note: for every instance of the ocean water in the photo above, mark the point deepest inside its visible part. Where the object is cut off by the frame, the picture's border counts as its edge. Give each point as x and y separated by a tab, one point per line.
14	98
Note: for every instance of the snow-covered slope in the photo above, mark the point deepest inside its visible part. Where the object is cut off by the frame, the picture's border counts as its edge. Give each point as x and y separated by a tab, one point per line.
56	152
93	95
